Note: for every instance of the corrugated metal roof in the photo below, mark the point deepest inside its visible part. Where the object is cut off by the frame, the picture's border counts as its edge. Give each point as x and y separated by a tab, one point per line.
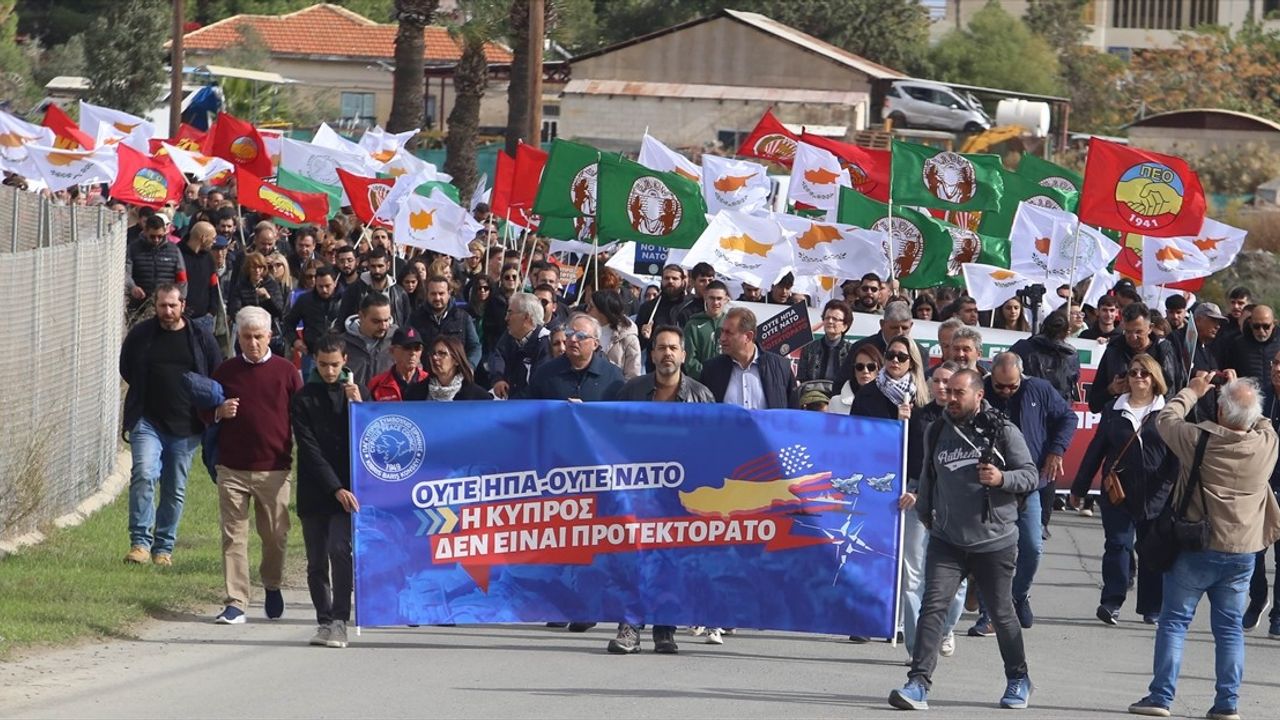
712	92
773	27
1201	113
813	44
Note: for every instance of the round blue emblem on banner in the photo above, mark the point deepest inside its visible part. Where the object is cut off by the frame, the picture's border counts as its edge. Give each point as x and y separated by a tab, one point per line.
392	448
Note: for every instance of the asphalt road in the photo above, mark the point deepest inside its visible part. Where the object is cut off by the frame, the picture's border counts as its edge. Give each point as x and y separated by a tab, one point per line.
184	666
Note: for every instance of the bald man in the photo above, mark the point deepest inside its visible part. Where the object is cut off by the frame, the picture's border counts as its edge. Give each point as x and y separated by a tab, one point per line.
203	297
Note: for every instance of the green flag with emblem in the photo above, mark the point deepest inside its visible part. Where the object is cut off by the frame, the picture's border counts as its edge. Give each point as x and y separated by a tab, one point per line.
636	203
1043	172
998	223
933	178
926	252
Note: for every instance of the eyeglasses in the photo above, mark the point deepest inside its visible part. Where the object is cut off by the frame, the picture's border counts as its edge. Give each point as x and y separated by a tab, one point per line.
440	354
483	288
1139	373
278	266
868	289
510	277
578	335
1264	328
1010	387
865	367
897	356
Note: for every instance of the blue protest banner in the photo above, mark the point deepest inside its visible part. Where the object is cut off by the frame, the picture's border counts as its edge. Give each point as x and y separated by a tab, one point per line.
659	513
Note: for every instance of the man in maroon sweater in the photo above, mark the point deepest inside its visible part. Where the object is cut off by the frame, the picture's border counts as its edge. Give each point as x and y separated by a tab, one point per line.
255	452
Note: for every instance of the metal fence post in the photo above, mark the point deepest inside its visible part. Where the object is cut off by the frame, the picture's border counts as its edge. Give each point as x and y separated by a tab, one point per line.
13	240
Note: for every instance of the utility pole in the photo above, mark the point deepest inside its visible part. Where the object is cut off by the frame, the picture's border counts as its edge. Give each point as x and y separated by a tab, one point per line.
537	29
177	58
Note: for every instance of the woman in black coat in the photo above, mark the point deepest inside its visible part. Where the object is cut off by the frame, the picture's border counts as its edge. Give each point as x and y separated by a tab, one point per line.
899	393
1147	470
450	377
255	286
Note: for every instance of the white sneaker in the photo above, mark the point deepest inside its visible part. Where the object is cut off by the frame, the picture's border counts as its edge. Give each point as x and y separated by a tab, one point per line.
948	646
321	638
697	630
1085	512
715	636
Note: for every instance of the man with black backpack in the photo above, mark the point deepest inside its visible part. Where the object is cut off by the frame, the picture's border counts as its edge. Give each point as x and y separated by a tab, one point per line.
976	464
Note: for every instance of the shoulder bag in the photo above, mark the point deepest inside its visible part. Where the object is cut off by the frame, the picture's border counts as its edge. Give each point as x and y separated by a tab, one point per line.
1111	484
1171	532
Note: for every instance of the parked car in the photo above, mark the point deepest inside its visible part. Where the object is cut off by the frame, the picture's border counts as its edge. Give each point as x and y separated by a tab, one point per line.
915	104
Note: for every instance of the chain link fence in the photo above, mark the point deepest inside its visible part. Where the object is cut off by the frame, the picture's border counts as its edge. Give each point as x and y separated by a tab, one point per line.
62	281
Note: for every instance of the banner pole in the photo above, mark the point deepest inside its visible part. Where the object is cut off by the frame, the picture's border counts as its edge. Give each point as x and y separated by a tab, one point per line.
240	221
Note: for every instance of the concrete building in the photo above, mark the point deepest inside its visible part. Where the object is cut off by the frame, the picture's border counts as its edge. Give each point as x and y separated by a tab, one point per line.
1199	132
347	59
710	79
1120	26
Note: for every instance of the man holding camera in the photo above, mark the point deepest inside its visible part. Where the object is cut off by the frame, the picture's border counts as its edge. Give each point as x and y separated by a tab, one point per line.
976	464
1234	497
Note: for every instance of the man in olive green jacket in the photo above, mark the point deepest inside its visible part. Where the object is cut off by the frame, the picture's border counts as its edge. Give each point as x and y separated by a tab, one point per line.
702	332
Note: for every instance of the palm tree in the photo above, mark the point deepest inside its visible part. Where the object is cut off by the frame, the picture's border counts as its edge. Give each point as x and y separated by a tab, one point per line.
477	23
518	88
408	83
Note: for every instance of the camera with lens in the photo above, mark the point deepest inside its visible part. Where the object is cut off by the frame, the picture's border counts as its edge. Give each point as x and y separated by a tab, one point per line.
987	425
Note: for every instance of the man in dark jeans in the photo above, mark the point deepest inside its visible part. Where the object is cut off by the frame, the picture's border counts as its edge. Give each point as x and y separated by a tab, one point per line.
976	464
318	414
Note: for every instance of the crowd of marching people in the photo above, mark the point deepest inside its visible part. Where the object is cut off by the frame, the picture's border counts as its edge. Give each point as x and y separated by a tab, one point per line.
249	339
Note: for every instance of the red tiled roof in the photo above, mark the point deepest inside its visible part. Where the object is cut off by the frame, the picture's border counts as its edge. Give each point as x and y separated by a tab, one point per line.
328	30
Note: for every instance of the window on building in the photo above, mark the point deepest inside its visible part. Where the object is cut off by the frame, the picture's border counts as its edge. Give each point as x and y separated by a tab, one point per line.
550	130
429	111
551	111
731	139
1270	9
1164	14
358	107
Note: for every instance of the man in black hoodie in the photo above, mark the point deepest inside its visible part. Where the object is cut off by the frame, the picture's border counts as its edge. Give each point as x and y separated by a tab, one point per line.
381	282
318	414
203	297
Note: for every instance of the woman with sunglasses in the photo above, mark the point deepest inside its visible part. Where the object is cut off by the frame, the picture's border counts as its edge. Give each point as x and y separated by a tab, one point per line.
1126	442
255	286
866	364
899	393
449	376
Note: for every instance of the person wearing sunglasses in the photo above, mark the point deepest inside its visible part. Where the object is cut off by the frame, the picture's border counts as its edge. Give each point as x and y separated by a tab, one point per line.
862	370
899	392
582	374
1048	423
450	374
1126	442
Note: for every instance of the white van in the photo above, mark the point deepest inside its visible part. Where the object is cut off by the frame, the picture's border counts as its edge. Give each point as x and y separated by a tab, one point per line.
918	104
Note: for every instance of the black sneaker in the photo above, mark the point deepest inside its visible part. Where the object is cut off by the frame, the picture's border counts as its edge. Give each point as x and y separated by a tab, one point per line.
664	641
550	625
1026	618
1107	615
627	641
1253	614
580	626
274	604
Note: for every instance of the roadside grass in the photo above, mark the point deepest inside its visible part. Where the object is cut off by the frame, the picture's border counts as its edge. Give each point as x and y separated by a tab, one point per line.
75	586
